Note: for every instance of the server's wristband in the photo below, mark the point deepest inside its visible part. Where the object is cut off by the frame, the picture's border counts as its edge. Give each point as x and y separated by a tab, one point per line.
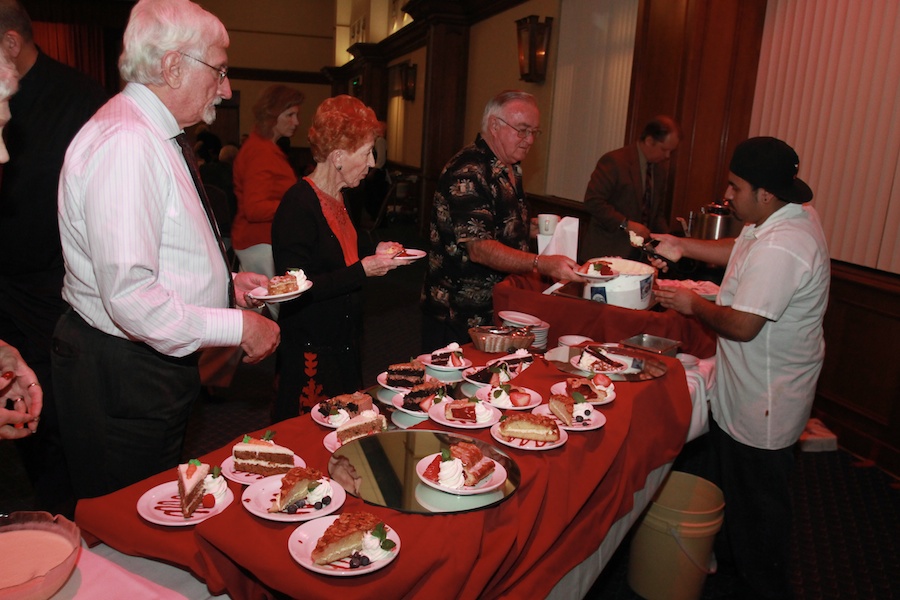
534	265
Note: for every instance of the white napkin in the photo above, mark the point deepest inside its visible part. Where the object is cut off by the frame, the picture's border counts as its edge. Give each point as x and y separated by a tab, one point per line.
701	374
563	241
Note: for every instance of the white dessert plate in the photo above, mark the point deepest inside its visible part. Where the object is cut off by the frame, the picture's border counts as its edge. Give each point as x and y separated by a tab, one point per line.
262	294
436	413
425	359
323	420
259	496
245	478
397	402
528	444
403	420
484	394
382	381
488	484
560	388
411	254
595	275
596	420
331	442
625	360
160	505
303	541
519	318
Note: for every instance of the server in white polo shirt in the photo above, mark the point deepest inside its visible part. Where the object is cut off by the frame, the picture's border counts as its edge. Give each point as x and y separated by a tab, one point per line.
145	276
768	315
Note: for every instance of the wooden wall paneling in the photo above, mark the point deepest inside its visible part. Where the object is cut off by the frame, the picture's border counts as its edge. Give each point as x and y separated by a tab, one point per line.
691	61
445	102
858	395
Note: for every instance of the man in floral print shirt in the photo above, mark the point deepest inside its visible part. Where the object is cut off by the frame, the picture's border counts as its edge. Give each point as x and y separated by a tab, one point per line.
480	227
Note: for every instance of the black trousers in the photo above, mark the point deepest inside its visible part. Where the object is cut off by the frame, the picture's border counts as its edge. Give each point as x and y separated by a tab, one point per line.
757	528
437	334
123	406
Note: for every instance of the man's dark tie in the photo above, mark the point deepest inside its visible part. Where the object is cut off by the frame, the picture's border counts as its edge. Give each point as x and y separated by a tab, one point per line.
648	196
191	160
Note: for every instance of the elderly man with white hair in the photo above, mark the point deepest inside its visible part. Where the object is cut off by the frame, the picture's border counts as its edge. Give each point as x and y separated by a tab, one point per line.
146	277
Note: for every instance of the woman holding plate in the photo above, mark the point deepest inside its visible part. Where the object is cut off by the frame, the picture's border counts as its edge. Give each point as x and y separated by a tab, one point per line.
319	355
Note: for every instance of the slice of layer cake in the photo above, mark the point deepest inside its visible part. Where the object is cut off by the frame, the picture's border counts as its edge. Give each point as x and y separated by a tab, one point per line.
406	375
476	466
294	487
263	457
343	537
354	404
190	485
527	426
366	423
460	410
562	407
422	396
449	356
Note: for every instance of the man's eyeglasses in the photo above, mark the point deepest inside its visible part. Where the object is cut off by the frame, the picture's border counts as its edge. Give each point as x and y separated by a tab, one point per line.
222	71
522	133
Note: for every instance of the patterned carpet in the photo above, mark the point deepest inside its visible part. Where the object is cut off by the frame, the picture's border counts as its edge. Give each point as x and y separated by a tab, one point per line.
846	537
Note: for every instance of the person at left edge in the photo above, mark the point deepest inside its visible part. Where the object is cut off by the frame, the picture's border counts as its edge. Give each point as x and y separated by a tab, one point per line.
145	275
53	102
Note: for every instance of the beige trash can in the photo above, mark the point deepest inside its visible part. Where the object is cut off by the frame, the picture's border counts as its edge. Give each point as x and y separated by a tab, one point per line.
671	549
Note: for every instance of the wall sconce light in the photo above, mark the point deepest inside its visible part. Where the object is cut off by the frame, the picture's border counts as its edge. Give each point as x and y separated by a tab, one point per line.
534	42
408	81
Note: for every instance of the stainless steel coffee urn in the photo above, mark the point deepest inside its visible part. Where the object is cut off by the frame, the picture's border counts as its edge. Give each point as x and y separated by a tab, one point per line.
715	221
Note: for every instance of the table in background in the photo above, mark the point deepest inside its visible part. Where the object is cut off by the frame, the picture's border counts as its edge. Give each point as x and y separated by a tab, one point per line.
600	322
568	500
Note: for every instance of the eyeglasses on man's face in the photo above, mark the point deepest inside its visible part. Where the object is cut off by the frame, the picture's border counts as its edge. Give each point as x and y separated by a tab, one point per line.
222	71
522	133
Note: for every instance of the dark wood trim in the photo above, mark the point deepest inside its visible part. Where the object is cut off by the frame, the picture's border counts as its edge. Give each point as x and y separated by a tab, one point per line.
858	395
317	78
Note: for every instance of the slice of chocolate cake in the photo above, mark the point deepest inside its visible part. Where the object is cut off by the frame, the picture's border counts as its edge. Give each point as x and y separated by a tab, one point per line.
406	375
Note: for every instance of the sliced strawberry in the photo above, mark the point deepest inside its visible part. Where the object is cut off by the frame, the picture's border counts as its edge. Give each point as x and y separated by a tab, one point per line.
433	471
427	403
209	501
601	380
519	398
456	360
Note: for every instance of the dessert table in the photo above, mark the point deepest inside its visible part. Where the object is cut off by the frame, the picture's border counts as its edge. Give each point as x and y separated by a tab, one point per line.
601	322
568	500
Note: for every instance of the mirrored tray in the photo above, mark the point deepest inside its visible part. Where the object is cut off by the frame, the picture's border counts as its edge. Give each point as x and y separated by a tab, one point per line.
381	469
651	366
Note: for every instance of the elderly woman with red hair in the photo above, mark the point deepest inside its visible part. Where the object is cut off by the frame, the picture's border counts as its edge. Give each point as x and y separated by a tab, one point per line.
319	355
262	174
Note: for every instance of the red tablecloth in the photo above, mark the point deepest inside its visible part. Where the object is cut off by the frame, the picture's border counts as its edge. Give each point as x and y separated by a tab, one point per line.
600	322
568	499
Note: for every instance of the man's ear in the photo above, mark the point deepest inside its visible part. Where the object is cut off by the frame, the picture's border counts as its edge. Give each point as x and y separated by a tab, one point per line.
12	44
173	69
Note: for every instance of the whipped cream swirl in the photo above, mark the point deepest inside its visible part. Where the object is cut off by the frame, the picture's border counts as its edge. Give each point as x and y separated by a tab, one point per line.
372	548
583	410
320	491
215	486
451	475
499	398
339	418
482	413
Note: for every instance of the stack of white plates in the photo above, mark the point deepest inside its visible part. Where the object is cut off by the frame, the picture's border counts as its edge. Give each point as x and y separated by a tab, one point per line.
539	328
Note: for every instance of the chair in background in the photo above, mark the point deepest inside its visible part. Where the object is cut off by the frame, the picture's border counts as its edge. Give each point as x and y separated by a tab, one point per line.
395	201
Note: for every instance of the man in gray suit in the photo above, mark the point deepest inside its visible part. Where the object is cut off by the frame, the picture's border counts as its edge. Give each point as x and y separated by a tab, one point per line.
627	192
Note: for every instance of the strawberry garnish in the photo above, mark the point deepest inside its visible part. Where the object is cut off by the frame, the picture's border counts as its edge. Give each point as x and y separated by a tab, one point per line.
519	398
433	471
209	501
601	380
